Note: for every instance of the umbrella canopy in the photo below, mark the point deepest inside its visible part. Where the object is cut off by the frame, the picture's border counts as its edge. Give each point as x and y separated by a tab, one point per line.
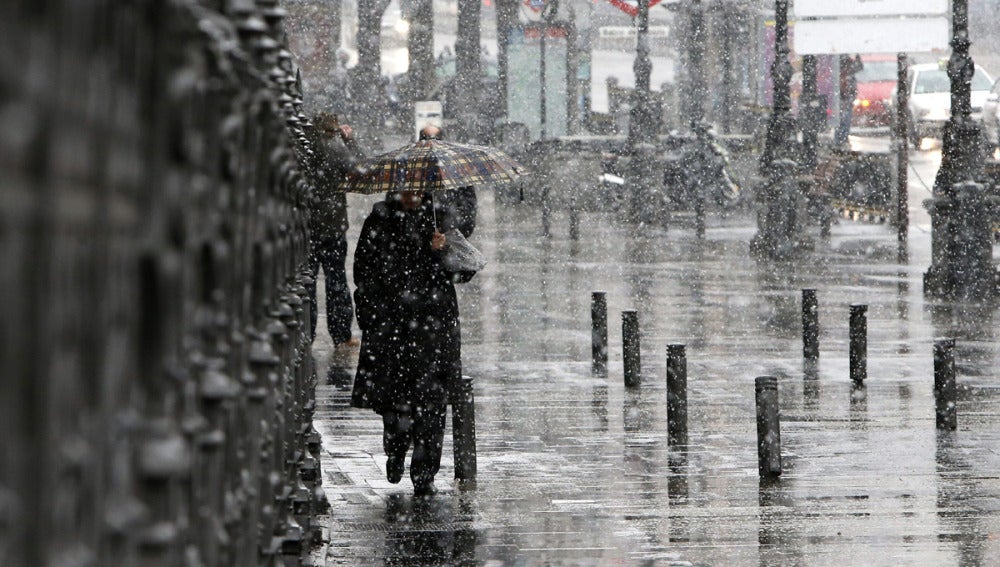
433	165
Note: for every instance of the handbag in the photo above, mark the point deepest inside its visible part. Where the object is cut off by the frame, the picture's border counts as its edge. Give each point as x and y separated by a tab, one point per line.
460	255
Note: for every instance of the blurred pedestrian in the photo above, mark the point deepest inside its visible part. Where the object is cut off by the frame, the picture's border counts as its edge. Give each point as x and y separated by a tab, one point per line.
849	69
411	341
335	152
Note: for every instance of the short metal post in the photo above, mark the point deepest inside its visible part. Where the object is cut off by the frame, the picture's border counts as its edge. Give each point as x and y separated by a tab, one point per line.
599	331
902	157
699	215
677	414
768	427
630	346
546	208
945	390
463	421
859	343
810	325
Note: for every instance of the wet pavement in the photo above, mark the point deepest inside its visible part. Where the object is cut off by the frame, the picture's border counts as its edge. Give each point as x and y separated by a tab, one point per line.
575	469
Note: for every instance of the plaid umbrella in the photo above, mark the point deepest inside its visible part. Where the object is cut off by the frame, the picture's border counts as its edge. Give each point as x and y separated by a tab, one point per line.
433	165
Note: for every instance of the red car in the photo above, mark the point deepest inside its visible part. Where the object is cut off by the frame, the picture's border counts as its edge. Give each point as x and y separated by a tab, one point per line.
876	82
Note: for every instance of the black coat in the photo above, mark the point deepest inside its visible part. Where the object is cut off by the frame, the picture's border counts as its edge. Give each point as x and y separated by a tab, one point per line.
407	310
462	203
332	159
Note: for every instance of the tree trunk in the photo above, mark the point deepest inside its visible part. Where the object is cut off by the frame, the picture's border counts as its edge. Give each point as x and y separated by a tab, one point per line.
506	20
420	43
468	72
366	82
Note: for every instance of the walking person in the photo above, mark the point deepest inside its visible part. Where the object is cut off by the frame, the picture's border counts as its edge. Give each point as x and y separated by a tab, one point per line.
335	152
849	69
411	341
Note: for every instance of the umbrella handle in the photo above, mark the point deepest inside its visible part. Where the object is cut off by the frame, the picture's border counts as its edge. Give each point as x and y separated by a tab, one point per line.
434	214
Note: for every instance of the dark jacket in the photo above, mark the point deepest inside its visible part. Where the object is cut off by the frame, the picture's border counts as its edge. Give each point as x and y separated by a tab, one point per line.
407	310
849	69
332	159
462	203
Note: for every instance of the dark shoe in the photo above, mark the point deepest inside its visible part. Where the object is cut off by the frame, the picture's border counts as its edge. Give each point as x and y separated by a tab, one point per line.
394	469
425	489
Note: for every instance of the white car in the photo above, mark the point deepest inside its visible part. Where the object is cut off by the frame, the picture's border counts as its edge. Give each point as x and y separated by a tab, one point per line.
991	118
930	98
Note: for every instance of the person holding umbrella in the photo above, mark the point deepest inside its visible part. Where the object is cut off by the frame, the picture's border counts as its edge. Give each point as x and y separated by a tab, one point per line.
849	69
411	343
462	201
407	308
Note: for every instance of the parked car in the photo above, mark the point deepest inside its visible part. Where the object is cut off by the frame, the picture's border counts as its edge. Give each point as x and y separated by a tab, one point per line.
876	82
930	98
991	118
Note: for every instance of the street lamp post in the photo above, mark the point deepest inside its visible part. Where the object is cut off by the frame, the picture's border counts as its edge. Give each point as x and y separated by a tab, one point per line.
549	13
780	126
642	130
692	89
812	110
961	154
641	126
960	262
778	229
696	61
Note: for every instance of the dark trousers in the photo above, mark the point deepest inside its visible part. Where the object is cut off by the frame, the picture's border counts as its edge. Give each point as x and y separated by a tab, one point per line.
330	254
423	426
844	122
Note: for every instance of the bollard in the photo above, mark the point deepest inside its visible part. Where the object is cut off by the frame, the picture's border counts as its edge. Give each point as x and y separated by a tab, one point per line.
574	224
630	347
945	391
859	343
463	420
677	414
699	215
810	325
546	212
599	332
768	427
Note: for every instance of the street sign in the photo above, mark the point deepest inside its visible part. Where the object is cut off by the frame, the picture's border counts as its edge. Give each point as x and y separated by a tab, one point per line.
870	35
868	8
870	26
524	79
629	32
630	7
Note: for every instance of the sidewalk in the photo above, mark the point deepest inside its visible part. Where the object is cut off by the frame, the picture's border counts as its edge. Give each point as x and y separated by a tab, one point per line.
576	470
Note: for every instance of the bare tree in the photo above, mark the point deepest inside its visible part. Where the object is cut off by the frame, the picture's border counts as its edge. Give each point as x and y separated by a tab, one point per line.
468	70
420	44
366	82
506	20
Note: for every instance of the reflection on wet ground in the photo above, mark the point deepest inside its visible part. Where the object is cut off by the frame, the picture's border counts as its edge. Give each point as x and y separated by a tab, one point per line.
575	470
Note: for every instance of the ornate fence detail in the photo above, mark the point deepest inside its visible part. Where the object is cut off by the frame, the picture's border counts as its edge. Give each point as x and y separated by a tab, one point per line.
157	388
